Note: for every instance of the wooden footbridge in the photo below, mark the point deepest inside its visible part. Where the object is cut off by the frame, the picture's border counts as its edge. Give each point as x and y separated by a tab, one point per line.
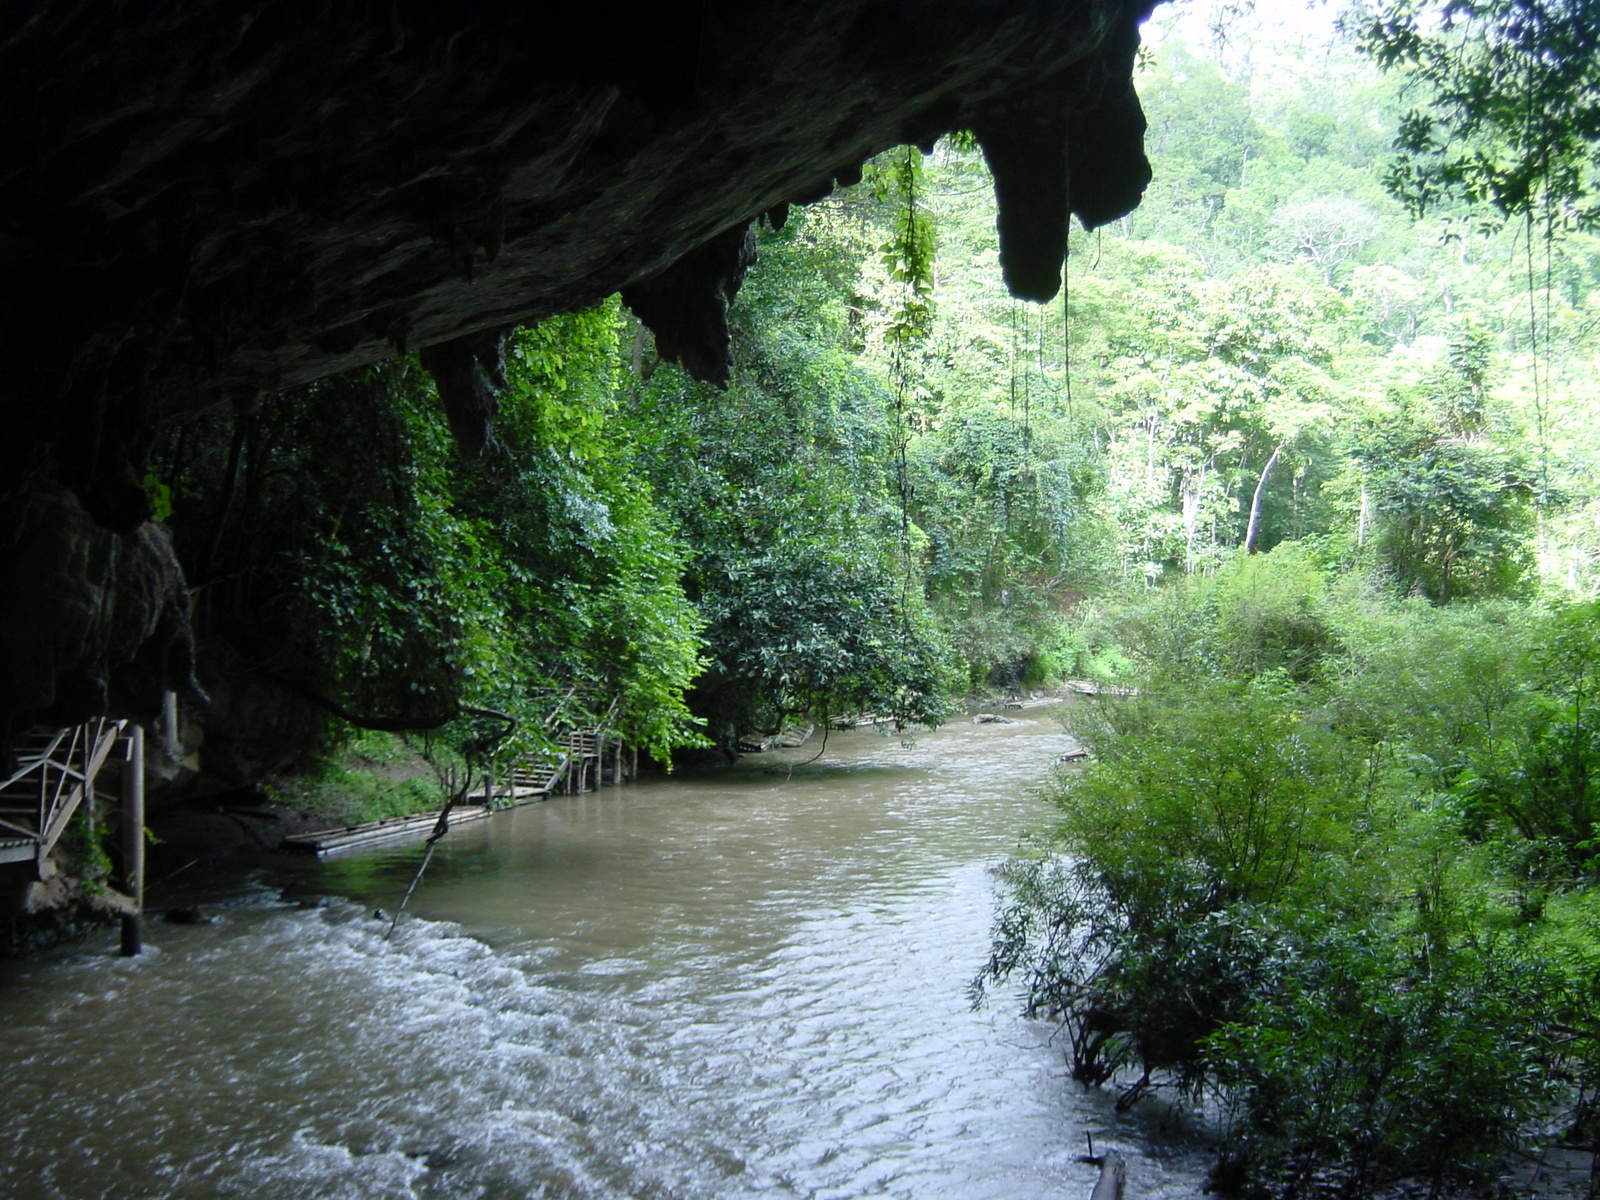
54	775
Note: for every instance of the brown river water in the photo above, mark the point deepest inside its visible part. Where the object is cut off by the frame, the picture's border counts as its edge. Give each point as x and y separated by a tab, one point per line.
749	982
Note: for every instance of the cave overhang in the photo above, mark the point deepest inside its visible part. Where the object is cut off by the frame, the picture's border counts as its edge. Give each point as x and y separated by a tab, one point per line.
206	201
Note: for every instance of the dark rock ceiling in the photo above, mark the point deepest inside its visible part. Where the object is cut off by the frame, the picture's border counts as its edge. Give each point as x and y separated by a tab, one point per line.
203	201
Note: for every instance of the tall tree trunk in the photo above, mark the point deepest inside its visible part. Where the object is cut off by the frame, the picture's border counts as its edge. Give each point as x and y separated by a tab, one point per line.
1255	502
1192	486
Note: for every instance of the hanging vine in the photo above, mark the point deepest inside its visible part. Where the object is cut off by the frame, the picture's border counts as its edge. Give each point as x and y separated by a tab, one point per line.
909	255
1066	320
1509	122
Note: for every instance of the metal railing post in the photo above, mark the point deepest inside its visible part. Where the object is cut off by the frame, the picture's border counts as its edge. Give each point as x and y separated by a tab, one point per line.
133	839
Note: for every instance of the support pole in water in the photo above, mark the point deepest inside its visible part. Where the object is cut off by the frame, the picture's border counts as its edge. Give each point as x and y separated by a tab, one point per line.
133	839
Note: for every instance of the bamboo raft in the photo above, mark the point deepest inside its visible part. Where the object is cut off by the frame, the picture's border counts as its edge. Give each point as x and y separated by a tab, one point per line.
1088	687
792	738
359	837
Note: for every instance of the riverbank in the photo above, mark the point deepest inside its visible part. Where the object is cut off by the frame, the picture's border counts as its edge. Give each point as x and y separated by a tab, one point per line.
378	776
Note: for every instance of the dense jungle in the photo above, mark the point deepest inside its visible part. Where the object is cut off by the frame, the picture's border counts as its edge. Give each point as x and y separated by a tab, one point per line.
1298	476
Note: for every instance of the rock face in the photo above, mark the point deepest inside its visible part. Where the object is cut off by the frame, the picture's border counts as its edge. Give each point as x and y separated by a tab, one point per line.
202	200
88	614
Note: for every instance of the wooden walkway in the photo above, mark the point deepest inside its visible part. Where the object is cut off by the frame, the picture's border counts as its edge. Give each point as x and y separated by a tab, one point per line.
583	759
55	770
54	773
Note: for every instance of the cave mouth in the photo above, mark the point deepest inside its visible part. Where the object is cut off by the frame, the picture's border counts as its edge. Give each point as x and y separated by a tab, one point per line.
209	202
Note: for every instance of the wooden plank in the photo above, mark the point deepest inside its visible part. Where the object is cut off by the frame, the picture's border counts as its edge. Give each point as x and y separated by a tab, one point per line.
1088	687
30	761
332	841
110	732
523	795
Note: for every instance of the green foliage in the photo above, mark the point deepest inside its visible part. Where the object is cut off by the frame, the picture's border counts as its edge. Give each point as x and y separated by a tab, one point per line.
1427	689
1144	997
1355	1070
1342	901
783	487
159	496
406	585
1229	796
909	253
805	633
1545	787
1259	615
1541	775
1450	493
1007	508
1268	350
1202	127
90	840
1512	115
352	789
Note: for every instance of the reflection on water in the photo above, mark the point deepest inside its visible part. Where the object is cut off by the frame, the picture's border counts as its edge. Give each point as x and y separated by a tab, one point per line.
745	983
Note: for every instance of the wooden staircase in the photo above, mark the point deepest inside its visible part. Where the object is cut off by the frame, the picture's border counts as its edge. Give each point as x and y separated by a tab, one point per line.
536	775
581	759
583	748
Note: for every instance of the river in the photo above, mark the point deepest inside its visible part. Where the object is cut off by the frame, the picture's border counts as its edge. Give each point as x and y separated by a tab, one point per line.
749	982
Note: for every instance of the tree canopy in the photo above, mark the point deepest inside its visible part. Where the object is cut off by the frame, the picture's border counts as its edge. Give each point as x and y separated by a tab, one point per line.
1507	103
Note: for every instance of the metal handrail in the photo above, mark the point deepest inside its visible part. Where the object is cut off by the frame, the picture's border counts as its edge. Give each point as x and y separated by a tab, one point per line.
66	776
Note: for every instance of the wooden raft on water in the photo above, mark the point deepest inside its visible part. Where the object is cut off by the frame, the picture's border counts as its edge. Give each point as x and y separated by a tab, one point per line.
580	759
332	841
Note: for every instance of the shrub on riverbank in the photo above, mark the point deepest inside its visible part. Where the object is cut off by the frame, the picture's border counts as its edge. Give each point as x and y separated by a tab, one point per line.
1338	896
1357	1068
377	775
